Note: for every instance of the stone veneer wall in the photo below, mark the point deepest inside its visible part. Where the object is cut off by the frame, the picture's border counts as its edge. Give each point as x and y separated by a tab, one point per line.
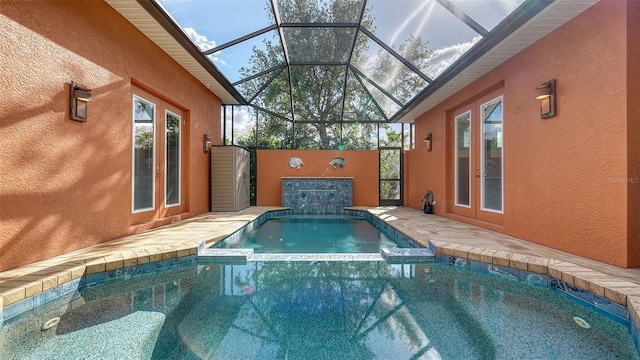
317	196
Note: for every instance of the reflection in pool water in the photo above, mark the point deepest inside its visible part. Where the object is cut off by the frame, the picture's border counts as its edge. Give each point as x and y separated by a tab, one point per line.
314	234
356	310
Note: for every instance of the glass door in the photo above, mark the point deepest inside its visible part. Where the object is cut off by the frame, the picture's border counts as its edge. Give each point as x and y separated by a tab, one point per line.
477	167
157	162
390	176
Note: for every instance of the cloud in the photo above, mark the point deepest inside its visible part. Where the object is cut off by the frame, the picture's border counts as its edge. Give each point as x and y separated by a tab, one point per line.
203	43
441	59
200	40
244	120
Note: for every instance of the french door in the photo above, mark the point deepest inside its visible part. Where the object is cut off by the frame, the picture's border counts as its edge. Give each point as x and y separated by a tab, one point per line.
477	169
158	147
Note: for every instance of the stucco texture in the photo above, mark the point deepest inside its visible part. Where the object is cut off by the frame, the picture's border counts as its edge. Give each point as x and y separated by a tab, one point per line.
563	177
361	165
633	132
67	184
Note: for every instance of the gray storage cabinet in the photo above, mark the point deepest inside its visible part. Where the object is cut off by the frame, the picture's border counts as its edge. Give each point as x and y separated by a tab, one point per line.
229	178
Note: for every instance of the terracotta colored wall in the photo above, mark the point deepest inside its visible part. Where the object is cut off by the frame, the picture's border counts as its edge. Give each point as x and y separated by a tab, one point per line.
633	132
362	165
559	190
67	184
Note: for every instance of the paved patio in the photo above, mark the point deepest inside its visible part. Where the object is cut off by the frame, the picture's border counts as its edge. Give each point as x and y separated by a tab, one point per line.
451	238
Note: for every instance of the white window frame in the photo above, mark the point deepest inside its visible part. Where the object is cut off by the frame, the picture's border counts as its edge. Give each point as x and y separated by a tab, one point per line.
456	170
167	205
133	151
482	151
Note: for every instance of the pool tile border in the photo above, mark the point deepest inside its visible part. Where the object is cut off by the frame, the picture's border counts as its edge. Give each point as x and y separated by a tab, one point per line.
22	289
348	212
607	295
250	226
72	287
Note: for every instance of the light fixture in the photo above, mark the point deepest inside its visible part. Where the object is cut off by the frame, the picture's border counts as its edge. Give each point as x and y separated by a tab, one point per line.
547	97
80	97
206	143
427	140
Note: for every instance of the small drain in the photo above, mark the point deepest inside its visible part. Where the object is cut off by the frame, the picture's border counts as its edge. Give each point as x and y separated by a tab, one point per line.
582	322
50	323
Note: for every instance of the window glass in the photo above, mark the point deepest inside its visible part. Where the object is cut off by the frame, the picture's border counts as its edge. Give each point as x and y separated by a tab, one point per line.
143	154
173	161
492	155
463	160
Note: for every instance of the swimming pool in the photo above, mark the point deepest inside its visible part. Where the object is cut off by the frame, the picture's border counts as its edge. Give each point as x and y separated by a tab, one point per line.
314	234
319	310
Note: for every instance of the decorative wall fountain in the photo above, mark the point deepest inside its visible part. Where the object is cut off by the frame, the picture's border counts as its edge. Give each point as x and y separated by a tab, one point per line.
317	195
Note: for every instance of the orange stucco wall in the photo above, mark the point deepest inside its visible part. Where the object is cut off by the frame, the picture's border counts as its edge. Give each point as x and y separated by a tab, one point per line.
563	176
633	132
67	184
362	165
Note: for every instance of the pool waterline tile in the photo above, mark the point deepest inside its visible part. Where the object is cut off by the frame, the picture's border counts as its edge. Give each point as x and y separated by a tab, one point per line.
606	306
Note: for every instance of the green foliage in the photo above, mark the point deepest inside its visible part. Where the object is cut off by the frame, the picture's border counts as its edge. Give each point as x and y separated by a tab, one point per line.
144	140
317	91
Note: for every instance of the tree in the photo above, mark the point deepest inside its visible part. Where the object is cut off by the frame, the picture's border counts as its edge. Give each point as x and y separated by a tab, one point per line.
317	90
390	165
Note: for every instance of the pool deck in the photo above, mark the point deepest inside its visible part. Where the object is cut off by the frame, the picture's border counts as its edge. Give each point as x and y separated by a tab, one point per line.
450	237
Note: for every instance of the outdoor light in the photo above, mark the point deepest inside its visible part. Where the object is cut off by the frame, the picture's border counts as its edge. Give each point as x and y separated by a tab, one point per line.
80	97
547	97
427	140
206	143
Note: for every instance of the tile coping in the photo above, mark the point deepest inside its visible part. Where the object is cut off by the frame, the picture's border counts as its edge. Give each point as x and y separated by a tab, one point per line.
31	280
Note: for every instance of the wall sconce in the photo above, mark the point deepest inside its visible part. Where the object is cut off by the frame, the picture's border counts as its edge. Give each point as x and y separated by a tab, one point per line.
547	97
80	97
427	140
206	143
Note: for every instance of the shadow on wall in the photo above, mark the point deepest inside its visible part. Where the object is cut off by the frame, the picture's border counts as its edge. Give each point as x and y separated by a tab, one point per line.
65	183
70	182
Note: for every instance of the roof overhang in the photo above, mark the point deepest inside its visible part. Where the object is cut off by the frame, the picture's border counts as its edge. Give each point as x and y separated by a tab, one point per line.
175	45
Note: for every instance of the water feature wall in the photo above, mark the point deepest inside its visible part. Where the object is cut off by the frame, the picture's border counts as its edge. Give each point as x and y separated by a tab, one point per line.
317	195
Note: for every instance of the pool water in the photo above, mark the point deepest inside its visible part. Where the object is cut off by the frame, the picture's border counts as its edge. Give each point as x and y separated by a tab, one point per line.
330	310
307	234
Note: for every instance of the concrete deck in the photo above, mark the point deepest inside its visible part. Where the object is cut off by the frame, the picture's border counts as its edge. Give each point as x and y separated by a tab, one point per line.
450	237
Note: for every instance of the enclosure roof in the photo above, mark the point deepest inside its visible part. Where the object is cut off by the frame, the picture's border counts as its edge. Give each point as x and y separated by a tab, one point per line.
337	60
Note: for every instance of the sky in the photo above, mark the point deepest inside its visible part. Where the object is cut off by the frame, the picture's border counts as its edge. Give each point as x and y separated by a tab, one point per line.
210	23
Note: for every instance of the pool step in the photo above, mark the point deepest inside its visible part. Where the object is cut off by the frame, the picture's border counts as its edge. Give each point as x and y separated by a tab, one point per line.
318	257
407	254
225	254
394	255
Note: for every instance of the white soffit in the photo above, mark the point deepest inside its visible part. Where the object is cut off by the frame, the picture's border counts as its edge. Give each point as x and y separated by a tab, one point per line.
551	18
140	18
